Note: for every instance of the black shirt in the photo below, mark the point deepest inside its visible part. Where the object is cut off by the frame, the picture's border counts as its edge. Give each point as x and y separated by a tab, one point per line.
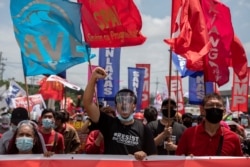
122	139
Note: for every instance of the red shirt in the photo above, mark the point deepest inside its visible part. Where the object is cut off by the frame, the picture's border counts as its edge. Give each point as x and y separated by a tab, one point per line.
91	147
197	141
49	140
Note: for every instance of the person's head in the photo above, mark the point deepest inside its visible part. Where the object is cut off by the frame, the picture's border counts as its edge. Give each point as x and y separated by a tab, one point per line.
61	117
18	114
26	139
48	118
139	116
164	108
187	119
109	110
213	108
150	114
5	120
125	101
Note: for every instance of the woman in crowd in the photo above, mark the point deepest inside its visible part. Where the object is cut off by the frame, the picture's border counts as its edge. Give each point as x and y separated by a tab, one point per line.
26	140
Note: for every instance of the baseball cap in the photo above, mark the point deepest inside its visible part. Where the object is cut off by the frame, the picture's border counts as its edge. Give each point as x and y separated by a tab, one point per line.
19	114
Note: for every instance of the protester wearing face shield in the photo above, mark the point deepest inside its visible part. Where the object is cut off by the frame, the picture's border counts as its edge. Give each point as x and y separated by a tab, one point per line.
209	138
167	131
123	135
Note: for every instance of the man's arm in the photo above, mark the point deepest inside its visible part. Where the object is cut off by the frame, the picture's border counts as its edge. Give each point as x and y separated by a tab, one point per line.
91	108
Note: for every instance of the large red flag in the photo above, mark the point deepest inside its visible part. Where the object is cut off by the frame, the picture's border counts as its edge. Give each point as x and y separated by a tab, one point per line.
221	33
111	23
189	32
238	58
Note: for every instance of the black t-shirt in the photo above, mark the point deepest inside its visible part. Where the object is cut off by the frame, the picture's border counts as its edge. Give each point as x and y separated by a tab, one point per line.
156	128
122	139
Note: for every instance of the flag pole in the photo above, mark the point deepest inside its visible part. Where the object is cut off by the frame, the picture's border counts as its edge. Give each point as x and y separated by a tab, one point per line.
170	75
26	87
90	69
27	94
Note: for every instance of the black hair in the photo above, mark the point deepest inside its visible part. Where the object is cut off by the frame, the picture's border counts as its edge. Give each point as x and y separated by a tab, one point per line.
165	102
62	115
150	114
187	115
211	96
45	111
126	91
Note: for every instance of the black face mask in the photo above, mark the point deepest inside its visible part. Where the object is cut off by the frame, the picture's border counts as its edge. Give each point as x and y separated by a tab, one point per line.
187	123
165	112
214	115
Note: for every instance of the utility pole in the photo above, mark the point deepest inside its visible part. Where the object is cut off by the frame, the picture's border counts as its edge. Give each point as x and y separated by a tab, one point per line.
2	64
156	83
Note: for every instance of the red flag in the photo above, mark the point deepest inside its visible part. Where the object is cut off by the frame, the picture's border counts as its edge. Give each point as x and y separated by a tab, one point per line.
189	32
220	29
238	58
111	23
51	89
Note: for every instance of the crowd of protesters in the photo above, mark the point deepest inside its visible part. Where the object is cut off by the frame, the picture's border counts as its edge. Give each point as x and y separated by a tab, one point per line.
122	131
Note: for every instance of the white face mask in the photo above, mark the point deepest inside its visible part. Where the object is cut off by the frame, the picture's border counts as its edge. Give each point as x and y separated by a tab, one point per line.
128	119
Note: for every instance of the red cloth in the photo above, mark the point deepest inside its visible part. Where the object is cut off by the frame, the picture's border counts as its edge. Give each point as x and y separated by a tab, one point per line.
197	141
221	33
51	89
111	23
189	33
238	58
49	141
90	146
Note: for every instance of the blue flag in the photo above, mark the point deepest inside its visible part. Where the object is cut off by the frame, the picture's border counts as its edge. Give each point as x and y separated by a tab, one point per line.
135	83
109	59
49	36
197	88
180	64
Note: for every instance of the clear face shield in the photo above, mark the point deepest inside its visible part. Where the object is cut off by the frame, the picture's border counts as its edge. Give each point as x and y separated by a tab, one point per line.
124	102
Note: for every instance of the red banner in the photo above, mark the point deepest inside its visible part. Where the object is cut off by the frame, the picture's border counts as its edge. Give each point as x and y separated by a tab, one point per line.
176	92
111	23
221	33
240	93
121	161
146	85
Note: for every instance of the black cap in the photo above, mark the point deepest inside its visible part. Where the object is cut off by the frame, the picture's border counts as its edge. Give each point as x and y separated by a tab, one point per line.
19	114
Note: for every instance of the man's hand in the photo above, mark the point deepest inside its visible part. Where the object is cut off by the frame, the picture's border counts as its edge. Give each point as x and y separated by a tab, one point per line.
99	73
167	131
170	146
140	155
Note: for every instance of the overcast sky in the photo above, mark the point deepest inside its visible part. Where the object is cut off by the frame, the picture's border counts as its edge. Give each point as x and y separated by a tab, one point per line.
156	24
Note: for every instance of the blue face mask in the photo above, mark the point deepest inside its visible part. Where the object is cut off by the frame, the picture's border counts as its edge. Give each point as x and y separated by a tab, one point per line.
130	118
47	123
24	143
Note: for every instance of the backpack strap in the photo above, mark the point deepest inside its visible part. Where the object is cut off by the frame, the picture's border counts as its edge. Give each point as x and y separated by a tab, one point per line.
55	142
